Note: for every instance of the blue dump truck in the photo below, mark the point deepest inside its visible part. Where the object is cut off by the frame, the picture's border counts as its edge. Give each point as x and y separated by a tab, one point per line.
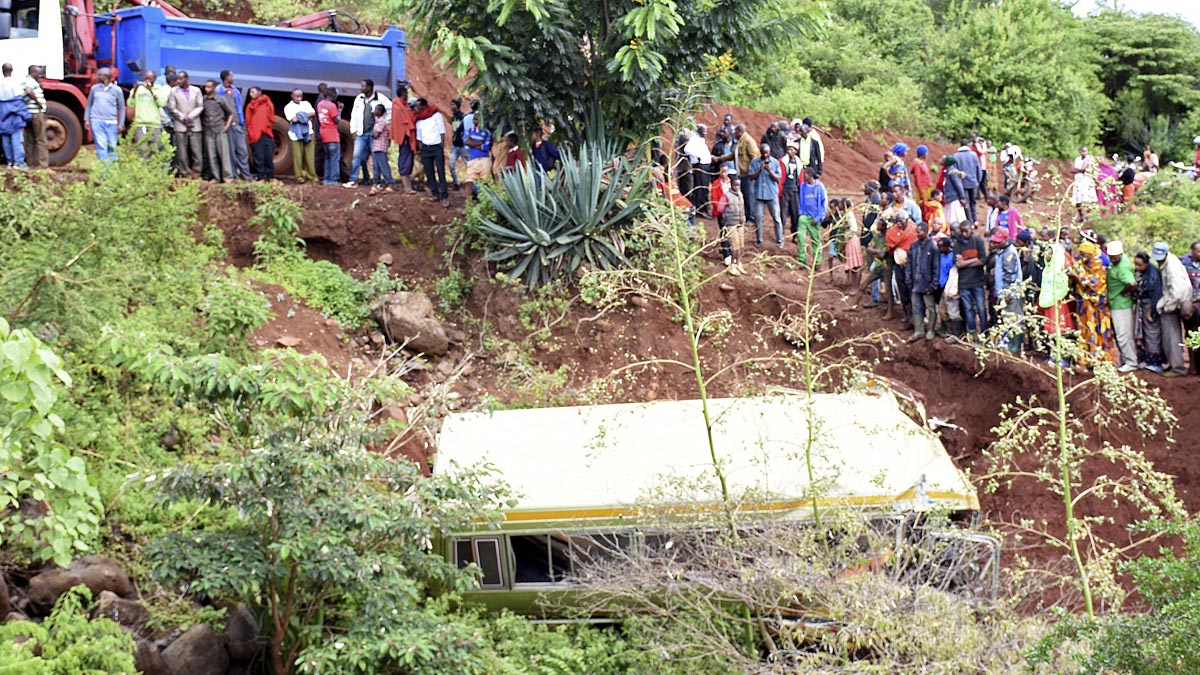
71	43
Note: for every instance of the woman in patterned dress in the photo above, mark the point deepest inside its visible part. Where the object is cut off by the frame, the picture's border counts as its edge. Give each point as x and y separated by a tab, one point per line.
1094	320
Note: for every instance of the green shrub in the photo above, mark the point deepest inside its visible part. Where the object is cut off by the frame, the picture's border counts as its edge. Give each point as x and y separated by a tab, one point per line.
232	311
547	228
323	286
1170	189
453	289
1138	230
67	643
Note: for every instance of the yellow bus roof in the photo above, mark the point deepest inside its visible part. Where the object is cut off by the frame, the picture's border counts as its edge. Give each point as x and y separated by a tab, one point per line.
605	461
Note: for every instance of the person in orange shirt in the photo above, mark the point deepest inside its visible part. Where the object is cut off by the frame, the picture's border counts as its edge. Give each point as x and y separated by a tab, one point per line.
932	207
403	132
899	237
919	177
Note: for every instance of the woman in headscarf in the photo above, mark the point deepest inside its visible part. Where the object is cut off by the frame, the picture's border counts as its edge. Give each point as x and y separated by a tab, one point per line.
1147	329
897	173
1094	318
922	180
953	192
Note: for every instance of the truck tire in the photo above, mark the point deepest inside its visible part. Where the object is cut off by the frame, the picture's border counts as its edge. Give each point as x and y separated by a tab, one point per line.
283	146
64	133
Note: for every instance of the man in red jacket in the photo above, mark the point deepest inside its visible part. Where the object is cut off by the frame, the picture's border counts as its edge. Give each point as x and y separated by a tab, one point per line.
260	122
403	132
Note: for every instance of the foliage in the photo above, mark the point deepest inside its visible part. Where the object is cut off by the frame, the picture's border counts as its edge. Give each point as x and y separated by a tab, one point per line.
34	466
328	539
613	62
233	310
1159	641
76	255
549	227
1049	444
1140	228
279	218
454	288
1170	188
1150	67
169	612
67	643
980	72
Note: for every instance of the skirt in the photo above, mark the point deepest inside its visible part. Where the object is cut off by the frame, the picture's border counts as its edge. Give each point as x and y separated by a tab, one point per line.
1083	190
854	254
955	213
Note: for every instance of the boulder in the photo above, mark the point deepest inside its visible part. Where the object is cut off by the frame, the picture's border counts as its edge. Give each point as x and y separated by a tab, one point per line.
407	318
124	612
148	660
198	651
99	573
241	633
14	616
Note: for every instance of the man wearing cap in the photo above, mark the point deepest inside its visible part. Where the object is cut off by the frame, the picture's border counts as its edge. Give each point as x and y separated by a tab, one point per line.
966	161
1120	302
1177	291
1006	280
811	150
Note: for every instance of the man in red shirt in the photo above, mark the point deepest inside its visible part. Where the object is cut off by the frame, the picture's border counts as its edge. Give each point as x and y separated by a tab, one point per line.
900	237
403	132
327	114
260	122
1196	162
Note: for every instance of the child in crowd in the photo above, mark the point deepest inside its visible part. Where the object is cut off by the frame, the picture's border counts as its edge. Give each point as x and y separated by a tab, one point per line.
380	141
735	221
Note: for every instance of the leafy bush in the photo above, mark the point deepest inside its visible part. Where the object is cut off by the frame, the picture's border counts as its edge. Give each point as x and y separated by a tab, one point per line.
1138	230
454	289
1169	188
67	643
548	227
323	286
232	311
34	466
331	544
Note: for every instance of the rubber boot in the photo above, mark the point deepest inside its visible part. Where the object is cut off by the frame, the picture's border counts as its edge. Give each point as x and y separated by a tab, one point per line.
406	184
930	327
918	328
907	315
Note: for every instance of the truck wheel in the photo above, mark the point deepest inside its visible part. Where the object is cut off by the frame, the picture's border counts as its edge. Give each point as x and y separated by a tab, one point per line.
64	133
283	146
347	141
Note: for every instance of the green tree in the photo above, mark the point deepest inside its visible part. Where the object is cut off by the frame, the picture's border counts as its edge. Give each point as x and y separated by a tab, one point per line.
1150	67
331	544
613	61
34	467
1019	71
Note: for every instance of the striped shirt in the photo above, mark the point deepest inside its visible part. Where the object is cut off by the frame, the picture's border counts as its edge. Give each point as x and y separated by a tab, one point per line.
37	104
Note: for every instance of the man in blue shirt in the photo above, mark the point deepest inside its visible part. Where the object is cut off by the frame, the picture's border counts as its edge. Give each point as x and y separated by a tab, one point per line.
764	172
104	116
967	161
813	207
544	152
479	150
237	131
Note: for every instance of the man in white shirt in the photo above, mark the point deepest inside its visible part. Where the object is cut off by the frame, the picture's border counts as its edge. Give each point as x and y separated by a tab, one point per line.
362	121
698	154
13	112
431	137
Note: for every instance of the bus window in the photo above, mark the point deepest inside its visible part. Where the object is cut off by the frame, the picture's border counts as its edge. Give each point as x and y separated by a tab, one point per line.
487	556
463	555
531	558
560	557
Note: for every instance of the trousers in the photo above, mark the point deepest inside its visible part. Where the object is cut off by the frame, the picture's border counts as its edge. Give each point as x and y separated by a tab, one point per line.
264	157
433	158
216	144
1122	321
188	158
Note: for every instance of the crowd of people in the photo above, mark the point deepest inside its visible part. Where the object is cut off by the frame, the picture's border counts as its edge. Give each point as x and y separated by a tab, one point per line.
220	134
943	250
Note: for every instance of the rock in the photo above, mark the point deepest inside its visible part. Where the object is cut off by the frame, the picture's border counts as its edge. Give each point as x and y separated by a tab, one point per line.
385	259
288	341
407	317
198	651
148	660
445	368
456	336
13	617
726	288
638	301
395	412
124	612
241	634
99	573
377	338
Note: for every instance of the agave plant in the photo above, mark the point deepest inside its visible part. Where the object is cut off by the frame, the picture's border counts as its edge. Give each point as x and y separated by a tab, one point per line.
549	227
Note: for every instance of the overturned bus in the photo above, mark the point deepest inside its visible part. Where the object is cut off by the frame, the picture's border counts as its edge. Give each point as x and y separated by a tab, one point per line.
595	478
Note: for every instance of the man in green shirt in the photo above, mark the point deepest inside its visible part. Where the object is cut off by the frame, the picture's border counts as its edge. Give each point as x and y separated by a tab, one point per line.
147	101
1120	301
